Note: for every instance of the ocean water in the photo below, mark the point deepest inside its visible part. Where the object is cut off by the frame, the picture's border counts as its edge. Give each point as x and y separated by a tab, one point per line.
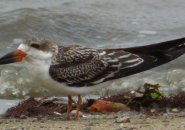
92	23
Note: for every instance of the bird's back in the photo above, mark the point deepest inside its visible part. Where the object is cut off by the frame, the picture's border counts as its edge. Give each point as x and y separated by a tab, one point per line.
81	66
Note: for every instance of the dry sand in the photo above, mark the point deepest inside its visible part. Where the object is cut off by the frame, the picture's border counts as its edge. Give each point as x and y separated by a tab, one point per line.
170	121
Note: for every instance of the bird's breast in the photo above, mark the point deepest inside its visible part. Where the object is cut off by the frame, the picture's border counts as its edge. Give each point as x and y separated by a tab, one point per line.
40	73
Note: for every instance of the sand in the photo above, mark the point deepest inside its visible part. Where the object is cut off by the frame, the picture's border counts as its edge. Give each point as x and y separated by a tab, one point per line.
170	121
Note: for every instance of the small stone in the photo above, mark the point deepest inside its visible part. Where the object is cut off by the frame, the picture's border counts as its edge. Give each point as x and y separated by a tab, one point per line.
174	110
73	112
152	110
42	121
123	120
34	119
23	117
121	125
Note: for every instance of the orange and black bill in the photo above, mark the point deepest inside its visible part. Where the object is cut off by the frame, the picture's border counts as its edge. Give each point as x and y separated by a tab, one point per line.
15	56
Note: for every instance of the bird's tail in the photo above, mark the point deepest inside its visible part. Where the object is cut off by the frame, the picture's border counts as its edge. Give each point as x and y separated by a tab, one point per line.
154	55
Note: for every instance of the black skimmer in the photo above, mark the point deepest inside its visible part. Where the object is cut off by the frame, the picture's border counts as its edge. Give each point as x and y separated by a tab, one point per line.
82	68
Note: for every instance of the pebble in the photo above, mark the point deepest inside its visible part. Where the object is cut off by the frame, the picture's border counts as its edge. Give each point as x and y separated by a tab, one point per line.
121	125
42	121
174	110
41	126
34	119
123	119
153	110
23	117
74	111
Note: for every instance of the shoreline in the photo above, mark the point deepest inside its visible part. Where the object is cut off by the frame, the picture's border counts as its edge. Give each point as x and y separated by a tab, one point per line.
167	121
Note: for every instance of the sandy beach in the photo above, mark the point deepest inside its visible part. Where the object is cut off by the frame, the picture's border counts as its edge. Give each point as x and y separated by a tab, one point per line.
170	121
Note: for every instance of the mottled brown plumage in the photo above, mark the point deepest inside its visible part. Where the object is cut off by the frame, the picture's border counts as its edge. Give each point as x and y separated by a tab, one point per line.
80	66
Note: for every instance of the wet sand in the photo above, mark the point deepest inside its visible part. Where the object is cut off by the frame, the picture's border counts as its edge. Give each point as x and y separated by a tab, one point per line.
170	121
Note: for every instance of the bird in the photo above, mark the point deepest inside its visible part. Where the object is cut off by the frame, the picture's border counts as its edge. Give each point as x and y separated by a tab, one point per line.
75	70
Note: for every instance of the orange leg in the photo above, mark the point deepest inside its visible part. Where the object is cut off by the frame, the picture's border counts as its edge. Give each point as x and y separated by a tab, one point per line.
78	107
69	107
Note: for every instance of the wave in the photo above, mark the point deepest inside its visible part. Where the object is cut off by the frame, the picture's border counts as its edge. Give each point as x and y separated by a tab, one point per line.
95	23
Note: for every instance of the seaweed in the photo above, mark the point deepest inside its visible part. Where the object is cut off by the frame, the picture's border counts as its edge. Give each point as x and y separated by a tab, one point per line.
147	98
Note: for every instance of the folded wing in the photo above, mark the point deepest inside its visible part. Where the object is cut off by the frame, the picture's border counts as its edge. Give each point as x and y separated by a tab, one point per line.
79	66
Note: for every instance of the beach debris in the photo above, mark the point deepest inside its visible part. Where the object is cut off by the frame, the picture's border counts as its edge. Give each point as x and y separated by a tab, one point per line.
107	106
32	107
145	96
57	113
152	91
147	99
150	95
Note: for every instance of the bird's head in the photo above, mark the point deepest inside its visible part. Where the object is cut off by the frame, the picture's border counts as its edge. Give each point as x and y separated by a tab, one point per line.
34	49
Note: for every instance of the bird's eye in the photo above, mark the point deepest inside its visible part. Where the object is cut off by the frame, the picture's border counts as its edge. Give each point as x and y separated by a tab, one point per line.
35	46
